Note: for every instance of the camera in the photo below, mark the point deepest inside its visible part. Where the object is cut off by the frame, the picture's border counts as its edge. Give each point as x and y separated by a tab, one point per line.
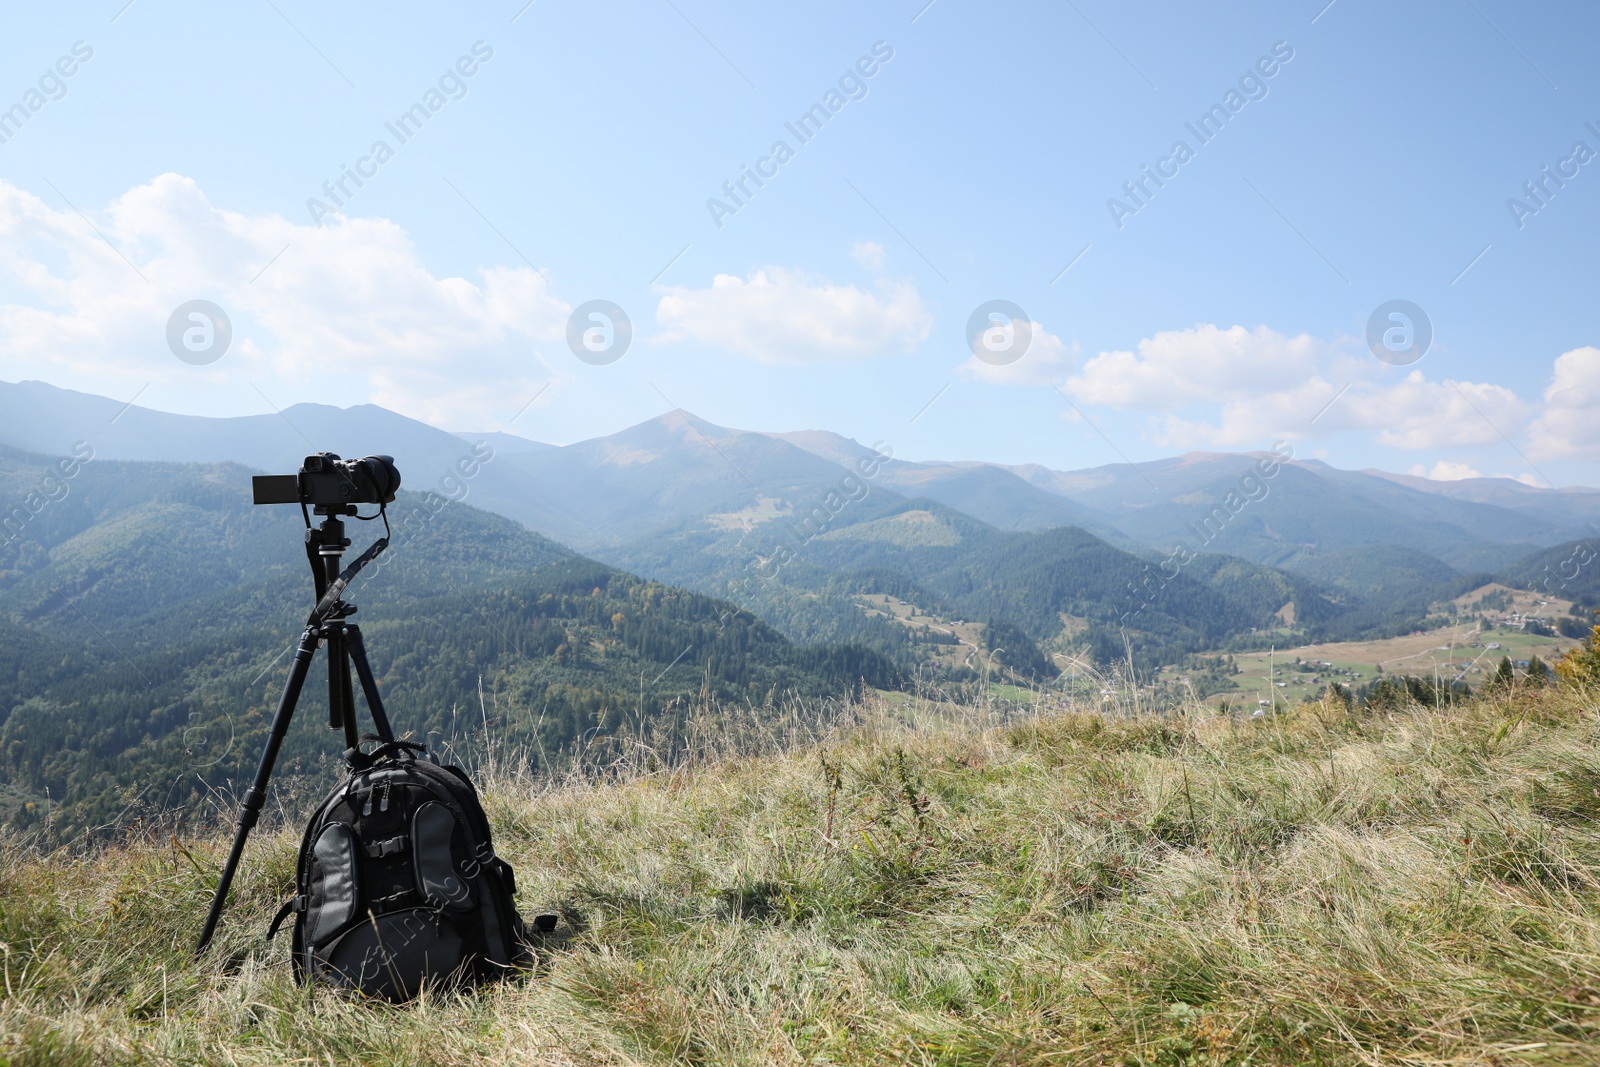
325	480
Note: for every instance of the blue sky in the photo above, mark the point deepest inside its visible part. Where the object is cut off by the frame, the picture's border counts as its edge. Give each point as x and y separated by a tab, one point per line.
576	162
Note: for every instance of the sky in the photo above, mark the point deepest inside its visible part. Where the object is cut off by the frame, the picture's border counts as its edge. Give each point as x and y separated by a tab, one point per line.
1067	234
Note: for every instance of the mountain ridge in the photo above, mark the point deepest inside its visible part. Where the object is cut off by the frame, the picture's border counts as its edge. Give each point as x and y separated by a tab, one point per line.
680	498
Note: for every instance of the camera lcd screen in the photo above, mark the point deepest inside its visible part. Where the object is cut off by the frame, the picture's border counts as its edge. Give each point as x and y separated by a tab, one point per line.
276	488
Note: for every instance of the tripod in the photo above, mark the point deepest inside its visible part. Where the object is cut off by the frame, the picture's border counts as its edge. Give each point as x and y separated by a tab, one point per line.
326	626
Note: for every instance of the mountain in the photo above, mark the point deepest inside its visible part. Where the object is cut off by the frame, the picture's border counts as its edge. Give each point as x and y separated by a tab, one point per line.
1380	572
146	610
681	500
1051	582
680	472
1570	571
662	475
1305	509
1062	587
504	443
44	419
998	496
672	473
1565	507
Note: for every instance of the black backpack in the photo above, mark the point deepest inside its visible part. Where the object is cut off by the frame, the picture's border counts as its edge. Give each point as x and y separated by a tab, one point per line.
398	885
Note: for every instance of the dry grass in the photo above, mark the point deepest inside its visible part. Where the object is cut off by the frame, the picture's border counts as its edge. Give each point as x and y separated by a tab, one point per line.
1417	887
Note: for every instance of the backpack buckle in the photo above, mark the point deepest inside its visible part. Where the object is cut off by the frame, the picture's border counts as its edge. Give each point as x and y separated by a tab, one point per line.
393	846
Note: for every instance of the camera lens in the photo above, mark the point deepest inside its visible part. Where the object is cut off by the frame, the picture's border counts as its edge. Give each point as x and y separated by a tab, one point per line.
381	475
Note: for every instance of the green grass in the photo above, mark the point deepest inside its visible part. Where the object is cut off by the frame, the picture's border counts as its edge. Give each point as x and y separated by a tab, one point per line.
1417	887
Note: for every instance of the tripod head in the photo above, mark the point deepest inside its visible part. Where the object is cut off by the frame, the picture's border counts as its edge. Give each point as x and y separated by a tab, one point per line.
325	546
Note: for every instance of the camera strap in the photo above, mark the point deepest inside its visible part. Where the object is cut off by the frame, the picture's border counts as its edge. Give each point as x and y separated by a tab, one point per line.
325	606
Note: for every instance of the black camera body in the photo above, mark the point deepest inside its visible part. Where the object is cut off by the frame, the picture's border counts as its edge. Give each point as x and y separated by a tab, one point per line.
326	481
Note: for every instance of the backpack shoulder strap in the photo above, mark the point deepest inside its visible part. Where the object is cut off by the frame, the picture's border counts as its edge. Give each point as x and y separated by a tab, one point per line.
293	906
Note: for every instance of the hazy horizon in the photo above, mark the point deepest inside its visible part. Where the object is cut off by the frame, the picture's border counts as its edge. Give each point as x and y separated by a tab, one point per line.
780	432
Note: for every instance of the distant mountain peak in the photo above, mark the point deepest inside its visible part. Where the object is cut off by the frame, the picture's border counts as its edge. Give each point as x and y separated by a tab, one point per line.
834	447
1212	457
1482	487
690	426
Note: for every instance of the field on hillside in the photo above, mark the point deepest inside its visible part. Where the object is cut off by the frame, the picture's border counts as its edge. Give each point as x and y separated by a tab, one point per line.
1468	650
1478	629
929	885
1457	653
966	638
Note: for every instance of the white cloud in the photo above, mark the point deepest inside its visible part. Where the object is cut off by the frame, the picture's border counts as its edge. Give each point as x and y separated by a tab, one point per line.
1210	386
349	304
1046	362
1251	420
1176	368
1445	471
1418	414
789	317
1569	424
1217	387
868	254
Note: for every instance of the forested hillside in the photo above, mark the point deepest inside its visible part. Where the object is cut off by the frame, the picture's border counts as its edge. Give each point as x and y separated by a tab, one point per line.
146	614
1114	601
1570	571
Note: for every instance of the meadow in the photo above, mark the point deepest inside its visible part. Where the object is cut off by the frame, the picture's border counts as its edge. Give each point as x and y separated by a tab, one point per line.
928	884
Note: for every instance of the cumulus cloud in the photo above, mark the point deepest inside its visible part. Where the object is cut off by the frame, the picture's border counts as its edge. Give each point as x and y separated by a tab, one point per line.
789	317
349	304
1416	413
1176	368
1213	386
1247	423
1210	386
1568	425
1046	362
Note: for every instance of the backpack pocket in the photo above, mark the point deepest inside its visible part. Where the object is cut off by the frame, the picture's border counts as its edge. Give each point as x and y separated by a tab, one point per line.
393	956
433	850
335	884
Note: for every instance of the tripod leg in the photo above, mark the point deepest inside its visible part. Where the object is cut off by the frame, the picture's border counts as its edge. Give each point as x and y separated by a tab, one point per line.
369	684
336	659
340	688
250	808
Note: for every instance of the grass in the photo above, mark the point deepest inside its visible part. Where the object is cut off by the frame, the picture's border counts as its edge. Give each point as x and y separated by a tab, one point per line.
930	886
